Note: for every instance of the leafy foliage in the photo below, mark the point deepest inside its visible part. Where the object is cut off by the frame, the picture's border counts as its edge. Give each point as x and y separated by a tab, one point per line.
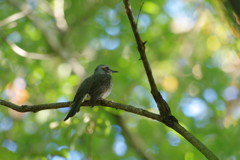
194	57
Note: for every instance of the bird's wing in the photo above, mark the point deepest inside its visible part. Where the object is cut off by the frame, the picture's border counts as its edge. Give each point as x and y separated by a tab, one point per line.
79	97
100	85
83	89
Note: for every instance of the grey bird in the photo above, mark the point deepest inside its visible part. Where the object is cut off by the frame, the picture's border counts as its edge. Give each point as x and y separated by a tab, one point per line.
95	87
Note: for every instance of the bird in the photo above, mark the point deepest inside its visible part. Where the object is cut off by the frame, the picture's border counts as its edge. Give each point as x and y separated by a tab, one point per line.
95	87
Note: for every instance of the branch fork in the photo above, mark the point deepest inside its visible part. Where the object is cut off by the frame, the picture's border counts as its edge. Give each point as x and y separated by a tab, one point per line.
165	115
164	109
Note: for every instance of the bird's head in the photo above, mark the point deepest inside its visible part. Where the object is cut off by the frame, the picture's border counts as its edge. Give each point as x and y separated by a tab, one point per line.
104	69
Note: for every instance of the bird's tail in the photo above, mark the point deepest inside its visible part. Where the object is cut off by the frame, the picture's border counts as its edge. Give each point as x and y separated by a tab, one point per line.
75	107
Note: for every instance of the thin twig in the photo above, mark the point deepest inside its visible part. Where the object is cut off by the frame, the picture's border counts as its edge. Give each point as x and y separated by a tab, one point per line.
142	3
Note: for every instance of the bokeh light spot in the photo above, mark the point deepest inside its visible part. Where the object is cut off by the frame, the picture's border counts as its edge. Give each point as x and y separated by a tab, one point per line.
10	145
229	121
189	156
73	155
43	116
173	139
113	31
213	43
109	43
112	16
16	91
6	123
14	37
182	24
57	158
194	107
30	127
197	71
19	83
143	22
150	7
231	93
119	145
210	95
170	84
64	70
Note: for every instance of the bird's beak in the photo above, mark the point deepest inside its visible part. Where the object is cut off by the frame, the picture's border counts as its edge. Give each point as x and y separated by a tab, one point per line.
113	71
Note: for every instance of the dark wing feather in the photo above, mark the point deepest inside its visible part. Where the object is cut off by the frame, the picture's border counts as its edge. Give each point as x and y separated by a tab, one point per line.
79	97
101	84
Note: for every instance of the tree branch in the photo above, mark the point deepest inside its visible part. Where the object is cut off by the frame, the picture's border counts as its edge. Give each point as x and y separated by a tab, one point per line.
31	55
14	17
51	34
163	107
58	11
104	103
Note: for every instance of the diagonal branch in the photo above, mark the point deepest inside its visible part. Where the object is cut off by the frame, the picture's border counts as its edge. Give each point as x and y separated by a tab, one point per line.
52	35
14	17
21	52
58	11
163	107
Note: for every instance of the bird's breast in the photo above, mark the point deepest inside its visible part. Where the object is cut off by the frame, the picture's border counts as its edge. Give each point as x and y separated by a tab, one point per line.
107	92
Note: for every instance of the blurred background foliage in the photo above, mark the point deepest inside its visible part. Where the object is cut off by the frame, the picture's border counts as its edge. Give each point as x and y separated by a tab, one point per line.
49	47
